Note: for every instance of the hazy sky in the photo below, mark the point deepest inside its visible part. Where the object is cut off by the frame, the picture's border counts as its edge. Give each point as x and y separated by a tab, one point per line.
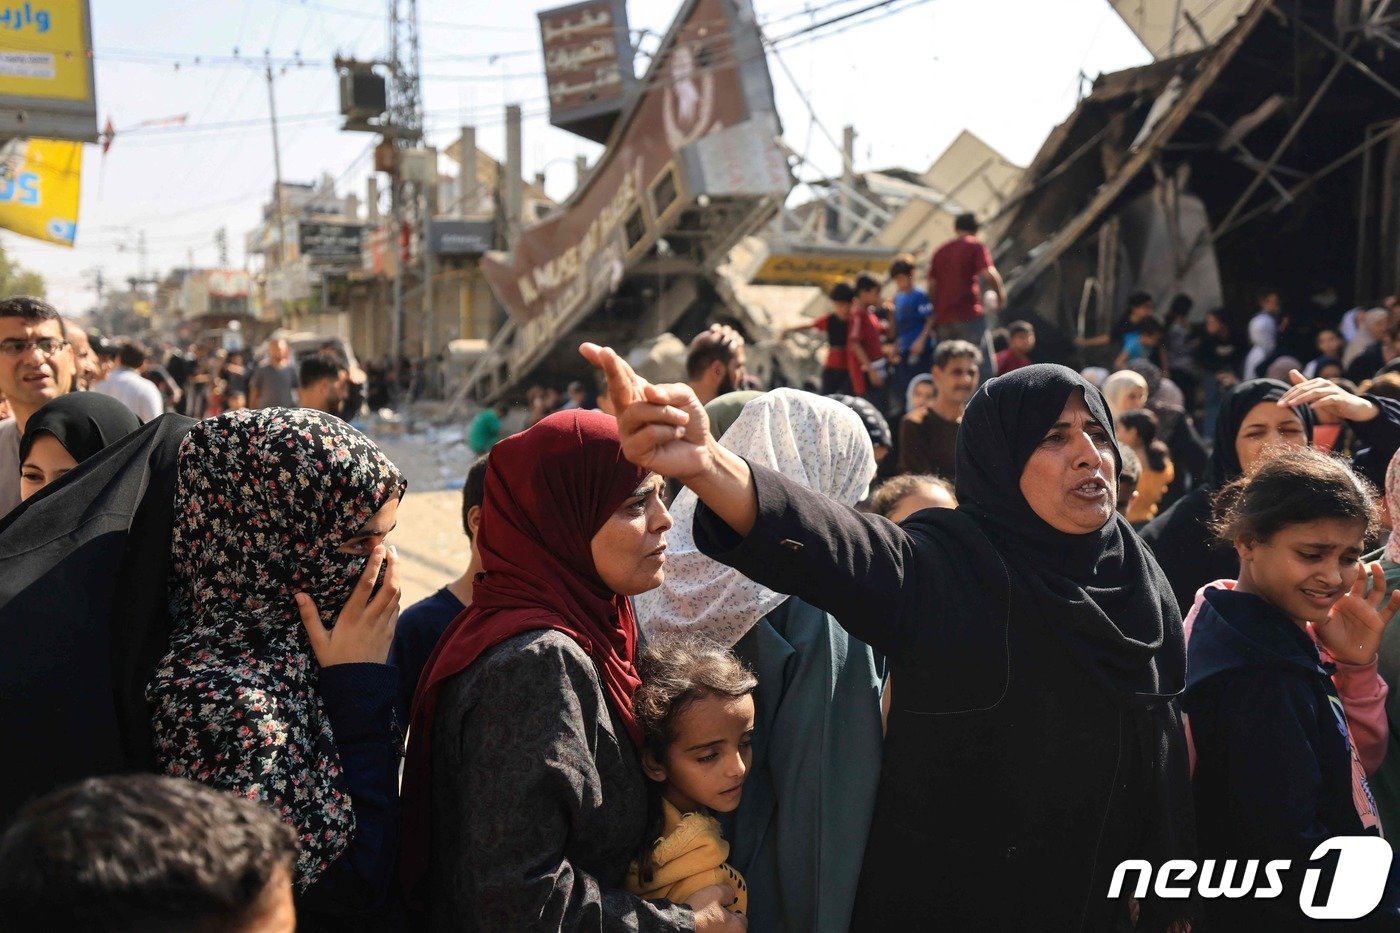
909	82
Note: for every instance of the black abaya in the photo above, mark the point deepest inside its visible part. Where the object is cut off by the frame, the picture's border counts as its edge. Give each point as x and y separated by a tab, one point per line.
1034	738
75	659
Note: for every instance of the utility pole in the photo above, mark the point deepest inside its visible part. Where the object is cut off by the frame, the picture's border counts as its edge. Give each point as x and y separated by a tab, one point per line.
99	285
513	168
848	183
276	164
429	310
406	119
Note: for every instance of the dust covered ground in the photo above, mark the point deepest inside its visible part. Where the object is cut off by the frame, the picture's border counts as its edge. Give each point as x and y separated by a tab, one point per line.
431	545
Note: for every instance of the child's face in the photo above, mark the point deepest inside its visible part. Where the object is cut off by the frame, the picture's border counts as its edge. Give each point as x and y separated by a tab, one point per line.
1304	568
706	764
1023	343
1330	343
930	496
1127	492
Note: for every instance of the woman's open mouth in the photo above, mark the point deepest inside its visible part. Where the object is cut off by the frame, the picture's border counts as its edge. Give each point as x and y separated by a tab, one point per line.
1091	490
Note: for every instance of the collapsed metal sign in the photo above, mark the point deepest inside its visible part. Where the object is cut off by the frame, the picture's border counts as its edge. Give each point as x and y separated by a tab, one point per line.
700	135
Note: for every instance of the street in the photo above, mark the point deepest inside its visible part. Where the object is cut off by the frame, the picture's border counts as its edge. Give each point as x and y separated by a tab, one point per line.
429	536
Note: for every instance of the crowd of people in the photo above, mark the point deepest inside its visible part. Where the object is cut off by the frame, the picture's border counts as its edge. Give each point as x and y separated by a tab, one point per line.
725	656
65	398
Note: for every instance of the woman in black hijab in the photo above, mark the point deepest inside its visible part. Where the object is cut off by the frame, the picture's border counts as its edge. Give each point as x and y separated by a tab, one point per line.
84	617
1038	742
1250	420
67	431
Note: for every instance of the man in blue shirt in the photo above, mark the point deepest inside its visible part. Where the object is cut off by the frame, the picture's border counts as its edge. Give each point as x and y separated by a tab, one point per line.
913	320
422	624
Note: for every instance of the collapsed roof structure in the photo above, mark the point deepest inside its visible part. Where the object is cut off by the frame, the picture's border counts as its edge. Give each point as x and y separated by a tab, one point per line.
1239	165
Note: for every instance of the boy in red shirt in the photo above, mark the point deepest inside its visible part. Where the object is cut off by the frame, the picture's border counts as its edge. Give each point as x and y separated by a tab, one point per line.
954	279
1021	337
866	359
854	337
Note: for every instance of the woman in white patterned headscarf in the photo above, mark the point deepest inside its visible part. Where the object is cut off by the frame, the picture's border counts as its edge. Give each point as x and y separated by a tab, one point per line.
814	440
799	835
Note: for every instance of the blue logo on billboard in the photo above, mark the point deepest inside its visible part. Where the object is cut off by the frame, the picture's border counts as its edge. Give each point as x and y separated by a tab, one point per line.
21	189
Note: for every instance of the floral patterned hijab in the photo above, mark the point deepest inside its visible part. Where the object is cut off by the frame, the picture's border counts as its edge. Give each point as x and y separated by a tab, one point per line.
263	500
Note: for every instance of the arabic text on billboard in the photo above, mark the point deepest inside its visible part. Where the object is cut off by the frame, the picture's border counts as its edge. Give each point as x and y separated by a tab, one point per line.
588	62
330	241
39	190
46	86
42	52
461	237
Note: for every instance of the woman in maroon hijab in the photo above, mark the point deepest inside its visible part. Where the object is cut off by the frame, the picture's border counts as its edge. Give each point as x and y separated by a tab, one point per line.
524	800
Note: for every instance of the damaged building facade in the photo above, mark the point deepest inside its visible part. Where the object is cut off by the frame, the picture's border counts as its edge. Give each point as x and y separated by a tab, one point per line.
1259	150
1264	157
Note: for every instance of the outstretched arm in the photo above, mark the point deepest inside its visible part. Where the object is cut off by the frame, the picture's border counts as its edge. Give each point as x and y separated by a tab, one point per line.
665	429
778	532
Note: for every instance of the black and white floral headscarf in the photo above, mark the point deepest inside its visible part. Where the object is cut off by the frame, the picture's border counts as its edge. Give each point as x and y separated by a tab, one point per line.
264	500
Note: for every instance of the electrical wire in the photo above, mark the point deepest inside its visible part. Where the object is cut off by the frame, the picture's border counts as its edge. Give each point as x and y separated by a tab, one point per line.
816	30
722	62
366	14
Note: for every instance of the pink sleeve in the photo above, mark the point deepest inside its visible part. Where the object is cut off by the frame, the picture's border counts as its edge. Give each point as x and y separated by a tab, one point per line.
1363	694
986	259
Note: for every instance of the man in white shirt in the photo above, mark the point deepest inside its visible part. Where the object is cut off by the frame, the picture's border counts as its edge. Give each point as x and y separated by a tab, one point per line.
36	366
126	384
1263	333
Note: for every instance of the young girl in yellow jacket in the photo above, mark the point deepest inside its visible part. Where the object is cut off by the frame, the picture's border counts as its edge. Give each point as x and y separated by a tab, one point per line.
695	707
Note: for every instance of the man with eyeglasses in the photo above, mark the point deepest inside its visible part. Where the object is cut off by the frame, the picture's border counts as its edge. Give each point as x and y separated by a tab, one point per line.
36	366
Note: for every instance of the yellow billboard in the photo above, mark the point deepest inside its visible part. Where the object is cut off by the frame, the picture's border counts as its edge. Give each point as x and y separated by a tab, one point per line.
46	77
822	269
39	190
43	52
